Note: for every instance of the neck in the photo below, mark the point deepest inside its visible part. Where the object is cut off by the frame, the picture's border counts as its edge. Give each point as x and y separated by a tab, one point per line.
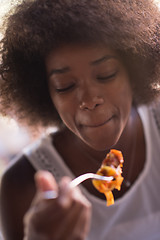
81	158
132	145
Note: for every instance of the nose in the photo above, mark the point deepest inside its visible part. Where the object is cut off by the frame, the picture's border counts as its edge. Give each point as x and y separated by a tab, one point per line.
91	104
90	100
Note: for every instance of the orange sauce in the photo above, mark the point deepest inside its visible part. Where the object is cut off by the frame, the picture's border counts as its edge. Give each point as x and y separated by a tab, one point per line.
111	166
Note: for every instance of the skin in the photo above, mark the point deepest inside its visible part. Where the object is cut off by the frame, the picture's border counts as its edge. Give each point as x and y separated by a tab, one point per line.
89	86
91	92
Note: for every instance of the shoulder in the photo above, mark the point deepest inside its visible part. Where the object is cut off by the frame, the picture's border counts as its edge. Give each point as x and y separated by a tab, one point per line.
154	113
155	108
17	191
151	110
18	173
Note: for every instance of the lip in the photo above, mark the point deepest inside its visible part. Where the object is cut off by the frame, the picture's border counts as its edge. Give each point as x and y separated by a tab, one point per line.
98	124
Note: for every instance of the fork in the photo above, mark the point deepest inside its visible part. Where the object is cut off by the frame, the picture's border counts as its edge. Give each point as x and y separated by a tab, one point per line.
51	194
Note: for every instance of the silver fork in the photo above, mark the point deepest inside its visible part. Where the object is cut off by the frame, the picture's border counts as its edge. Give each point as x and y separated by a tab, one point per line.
75	182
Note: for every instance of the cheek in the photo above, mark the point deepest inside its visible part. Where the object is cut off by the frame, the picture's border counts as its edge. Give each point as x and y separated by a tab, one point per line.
125	103
61	106
66	110
121	96
127	98
124	91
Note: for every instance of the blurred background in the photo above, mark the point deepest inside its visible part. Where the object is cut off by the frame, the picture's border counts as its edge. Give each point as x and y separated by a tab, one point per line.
12	136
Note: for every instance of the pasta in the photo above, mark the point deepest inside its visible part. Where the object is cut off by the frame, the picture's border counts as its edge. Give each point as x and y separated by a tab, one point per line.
111	166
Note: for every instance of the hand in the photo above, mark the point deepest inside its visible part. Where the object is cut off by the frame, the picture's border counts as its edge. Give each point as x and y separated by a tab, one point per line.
65	218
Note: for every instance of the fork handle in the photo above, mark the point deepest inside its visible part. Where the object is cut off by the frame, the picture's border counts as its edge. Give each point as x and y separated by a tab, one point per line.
51	194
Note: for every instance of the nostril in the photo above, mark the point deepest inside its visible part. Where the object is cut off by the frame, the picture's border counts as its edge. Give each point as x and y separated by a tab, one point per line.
91	104
97	105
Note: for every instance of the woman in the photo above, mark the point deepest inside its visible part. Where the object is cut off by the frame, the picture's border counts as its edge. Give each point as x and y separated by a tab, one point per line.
91	68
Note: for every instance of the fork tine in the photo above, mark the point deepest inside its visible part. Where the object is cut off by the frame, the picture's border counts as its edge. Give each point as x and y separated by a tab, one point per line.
86	176
75	182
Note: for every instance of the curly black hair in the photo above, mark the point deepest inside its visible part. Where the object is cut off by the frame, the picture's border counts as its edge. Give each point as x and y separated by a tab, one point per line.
36	27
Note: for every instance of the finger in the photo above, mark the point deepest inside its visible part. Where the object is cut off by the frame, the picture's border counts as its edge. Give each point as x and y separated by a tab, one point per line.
65	192
45	181
81	216
76	222
82	225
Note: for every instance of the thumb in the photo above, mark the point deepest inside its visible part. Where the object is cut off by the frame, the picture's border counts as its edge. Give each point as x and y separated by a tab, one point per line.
45	181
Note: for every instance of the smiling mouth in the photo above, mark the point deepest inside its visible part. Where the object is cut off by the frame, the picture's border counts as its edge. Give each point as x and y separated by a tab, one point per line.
97	124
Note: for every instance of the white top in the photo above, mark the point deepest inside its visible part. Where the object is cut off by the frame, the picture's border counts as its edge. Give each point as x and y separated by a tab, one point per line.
137	214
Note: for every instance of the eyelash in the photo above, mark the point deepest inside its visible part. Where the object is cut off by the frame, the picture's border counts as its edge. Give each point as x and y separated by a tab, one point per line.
62	90
108	77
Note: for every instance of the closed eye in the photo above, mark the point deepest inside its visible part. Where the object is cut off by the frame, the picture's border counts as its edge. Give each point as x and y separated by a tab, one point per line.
108	77
61	90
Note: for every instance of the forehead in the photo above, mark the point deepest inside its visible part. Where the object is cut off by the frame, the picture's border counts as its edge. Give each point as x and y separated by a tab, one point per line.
78	53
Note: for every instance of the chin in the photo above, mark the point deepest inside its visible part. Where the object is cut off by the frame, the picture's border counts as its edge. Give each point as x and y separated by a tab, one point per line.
102	146
102	139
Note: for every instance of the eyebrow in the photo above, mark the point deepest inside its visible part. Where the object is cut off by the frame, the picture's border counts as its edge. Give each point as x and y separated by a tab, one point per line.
67	69
59	71
103	59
